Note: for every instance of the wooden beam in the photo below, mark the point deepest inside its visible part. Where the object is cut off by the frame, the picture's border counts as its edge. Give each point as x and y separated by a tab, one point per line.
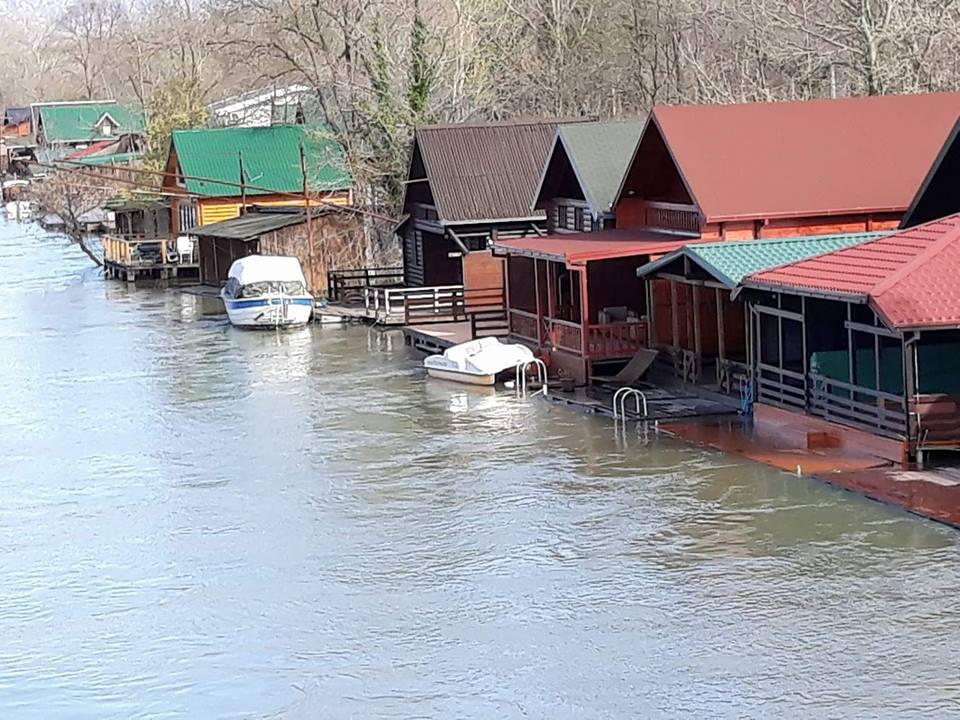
721	340
536	292
697	349
674	315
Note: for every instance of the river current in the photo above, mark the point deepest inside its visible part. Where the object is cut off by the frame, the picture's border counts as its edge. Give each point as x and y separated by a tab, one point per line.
200	522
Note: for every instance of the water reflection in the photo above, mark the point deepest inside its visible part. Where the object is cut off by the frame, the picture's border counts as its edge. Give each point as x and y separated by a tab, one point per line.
202	522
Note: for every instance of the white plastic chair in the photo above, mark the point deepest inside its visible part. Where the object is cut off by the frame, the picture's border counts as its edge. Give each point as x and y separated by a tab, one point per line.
184	248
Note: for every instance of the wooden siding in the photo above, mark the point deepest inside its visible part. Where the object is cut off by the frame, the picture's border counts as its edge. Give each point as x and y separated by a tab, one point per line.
216	209
792	227
482	271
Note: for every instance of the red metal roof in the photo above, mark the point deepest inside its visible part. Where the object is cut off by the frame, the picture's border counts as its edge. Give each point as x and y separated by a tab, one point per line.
912	278
814	157
581	248
90	149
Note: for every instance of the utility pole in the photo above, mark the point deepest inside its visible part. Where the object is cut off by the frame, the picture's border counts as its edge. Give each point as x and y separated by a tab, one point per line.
243	187
310	249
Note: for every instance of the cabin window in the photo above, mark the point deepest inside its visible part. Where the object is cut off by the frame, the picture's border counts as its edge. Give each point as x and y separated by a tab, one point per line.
188	217
475	244
563	217
578	219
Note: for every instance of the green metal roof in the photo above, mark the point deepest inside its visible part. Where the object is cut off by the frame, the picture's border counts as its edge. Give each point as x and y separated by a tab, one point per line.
76	122
600	153
730	261
271	160
251	225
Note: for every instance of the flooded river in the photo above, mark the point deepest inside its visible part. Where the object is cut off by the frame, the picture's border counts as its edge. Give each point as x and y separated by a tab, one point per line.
198	522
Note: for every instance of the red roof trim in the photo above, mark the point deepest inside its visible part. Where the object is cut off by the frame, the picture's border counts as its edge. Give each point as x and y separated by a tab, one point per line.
578	249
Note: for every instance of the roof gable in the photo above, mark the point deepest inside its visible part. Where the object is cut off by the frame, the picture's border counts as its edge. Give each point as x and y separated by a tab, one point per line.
729	262
599	154
909	278
271	160
484	172
937	196
79	121
806	158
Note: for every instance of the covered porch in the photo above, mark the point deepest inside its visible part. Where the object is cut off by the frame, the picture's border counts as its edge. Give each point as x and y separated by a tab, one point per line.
835	359
577	298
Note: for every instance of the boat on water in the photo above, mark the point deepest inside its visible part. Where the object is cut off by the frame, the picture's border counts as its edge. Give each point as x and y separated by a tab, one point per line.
267	291
477	362
15	207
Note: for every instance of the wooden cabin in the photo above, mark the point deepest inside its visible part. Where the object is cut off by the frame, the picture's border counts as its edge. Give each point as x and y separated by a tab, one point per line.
864	340
582	175
62	128
469	186
740	172
222	170
700	331
277	231
17	123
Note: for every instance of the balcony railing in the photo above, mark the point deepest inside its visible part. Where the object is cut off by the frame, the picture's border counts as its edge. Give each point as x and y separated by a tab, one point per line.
523	325
346	285
616	340
671	217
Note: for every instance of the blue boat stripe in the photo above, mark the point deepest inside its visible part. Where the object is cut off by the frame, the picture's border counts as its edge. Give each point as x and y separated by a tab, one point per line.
263	302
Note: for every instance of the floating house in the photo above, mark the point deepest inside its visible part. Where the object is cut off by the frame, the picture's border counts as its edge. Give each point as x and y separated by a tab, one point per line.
468	186
140	245
864	338
63	128
219	171
16	140
717	173
707	336
277	231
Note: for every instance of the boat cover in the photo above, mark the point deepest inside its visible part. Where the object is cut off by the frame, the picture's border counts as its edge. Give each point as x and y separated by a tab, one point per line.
267	268
487	356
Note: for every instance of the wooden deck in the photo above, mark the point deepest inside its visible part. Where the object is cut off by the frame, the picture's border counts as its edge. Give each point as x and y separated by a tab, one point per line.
165	272
663	404
437	337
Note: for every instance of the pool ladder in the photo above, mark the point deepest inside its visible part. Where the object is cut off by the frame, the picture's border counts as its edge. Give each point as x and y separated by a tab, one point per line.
620	398
521	377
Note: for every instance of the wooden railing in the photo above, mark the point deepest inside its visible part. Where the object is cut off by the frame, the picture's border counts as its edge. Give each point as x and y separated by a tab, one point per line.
672	217
487	312
565	335
524	325
616	340
137	251
443	303
879	412
731	374
344	285
777	386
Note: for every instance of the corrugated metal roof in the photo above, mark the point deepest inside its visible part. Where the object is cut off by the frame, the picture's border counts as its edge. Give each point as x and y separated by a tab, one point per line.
600	154
77	122
729	262
251	225
271	159
15	115
581	248
815	157
910	278
485	172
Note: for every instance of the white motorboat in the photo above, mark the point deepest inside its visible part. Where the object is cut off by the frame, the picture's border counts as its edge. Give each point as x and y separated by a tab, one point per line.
477	362
16	208
267	291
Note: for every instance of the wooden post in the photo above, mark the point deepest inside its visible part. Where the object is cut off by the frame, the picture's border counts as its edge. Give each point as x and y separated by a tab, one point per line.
648	288
697	349
721	330
243	186
310	250
674	316
551	291
536	292
585	323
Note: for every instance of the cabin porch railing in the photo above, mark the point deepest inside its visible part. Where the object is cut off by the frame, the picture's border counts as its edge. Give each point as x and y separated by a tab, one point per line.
565	335
523	325
137	251
671	217
879	412
345	285
778	386
613	341
730	374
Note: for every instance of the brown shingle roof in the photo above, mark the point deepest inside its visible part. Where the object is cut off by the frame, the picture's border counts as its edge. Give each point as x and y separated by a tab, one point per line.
815	157
488	171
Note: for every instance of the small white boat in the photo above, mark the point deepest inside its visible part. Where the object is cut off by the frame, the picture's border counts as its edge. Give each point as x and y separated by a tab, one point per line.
477	362
267	291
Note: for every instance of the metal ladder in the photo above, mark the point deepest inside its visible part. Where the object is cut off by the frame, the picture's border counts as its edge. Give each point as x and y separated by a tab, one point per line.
521	377
620	398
